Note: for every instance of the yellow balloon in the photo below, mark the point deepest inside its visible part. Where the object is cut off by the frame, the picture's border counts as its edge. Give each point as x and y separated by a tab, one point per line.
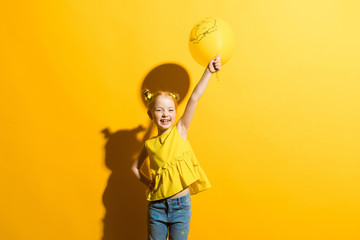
209	37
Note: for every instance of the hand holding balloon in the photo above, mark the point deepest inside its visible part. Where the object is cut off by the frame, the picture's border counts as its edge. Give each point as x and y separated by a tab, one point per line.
214	64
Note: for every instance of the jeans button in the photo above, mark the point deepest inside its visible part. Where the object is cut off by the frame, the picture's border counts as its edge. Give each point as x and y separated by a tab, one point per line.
169	200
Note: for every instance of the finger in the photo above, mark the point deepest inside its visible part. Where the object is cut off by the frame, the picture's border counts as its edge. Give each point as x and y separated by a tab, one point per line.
215	58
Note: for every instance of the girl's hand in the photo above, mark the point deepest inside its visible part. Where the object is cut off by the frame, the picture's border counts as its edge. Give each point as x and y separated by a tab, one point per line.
214	64
151	185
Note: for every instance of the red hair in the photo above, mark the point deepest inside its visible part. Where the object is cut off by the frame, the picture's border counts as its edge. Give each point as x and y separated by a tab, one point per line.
150	98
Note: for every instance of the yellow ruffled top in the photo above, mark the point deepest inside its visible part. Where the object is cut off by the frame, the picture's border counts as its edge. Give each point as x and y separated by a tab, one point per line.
173	166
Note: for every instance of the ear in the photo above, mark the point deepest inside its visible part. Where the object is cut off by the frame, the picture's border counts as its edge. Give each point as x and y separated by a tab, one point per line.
150	115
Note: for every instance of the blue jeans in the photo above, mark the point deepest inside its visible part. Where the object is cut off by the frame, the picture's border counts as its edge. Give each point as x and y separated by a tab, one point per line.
169	216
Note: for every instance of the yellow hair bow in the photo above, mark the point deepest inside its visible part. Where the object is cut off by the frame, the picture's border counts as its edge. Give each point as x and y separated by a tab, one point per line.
173	95
148	96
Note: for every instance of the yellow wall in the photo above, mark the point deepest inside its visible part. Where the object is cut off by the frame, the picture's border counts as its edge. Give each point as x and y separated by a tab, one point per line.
278	134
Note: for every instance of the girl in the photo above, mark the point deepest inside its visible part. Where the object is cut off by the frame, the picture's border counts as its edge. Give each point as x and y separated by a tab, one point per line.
175	171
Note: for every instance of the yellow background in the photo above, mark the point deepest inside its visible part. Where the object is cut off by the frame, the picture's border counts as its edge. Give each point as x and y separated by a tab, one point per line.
278	134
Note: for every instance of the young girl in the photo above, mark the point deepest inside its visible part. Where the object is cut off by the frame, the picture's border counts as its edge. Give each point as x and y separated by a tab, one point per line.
175	171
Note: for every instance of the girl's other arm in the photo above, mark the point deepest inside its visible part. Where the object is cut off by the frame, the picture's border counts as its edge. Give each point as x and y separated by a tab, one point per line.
136	166
184	122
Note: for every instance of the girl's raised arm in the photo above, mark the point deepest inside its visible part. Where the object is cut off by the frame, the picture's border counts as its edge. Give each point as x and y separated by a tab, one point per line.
184	122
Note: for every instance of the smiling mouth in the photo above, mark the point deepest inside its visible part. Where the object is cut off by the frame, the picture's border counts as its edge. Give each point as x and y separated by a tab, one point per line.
164	120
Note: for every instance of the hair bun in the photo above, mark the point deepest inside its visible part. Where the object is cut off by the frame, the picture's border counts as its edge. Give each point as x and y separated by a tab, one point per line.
175	96
147	95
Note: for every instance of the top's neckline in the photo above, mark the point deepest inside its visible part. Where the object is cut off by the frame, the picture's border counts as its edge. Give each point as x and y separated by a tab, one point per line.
164	135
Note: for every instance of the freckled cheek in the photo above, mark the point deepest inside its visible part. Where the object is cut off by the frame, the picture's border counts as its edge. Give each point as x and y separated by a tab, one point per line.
157	115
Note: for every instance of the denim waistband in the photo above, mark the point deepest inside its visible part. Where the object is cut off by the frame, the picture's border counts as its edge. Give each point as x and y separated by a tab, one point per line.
171	200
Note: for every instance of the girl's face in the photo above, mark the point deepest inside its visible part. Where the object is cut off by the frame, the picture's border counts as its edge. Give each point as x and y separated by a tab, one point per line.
164	113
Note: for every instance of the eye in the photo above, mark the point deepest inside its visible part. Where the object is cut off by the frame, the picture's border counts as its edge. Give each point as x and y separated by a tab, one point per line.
171	110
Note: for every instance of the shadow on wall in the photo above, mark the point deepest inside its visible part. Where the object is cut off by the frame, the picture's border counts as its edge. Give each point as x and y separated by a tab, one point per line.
124	197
